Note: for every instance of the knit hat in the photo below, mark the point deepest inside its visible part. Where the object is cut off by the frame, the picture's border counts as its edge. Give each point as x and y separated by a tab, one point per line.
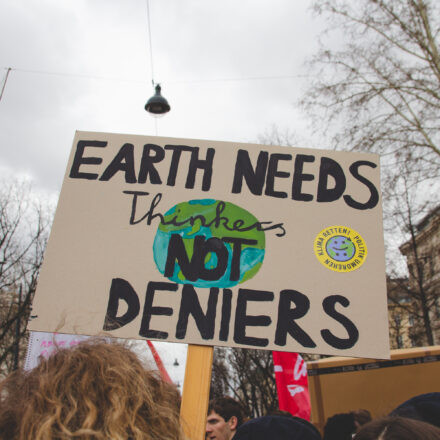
425	407
277	427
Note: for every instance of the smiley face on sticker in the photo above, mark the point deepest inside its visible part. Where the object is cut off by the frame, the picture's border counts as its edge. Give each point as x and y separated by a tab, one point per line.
340	248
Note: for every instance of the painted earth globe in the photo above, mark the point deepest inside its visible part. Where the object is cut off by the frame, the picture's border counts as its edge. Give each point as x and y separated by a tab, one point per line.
212	218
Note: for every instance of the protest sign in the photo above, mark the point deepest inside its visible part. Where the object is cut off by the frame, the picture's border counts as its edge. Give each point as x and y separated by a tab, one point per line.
217	243
41	345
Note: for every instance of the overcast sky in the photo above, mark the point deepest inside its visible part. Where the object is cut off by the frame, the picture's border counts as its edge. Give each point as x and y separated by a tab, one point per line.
230	71
85	65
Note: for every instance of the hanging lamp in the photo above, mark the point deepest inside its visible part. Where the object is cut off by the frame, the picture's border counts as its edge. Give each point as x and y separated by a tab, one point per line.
157	105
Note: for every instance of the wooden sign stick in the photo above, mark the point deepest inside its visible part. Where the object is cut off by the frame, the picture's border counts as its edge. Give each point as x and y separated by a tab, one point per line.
196	386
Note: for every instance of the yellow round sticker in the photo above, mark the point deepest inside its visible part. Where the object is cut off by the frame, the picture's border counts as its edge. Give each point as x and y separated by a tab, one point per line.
340	248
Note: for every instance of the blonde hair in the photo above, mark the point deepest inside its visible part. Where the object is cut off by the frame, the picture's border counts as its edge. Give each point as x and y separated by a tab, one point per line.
95	390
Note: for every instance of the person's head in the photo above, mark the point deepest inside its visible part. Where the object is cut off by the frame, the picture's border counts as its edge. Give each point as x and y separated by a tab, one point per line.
424	407
361	417
225	415
280	413
340	427
398	428
277	427
96	391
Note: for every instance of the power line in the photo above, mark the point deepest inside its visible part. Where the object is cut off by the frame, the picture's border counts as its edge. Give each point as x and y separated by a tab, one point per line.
4	83
248	78
150	41
151	54
183	81
76	75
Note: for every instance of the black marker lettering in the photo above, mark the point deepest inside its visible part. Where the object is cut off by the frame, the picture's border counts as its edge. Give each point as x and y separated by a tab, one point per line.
330	167
273	172
286	318
147	167
121	290
374	195
299	177
236	253
149	310
226	315
190	306
196	269
329	304
242	320
149	215
254	178
79	160
123	161
175	159
205	165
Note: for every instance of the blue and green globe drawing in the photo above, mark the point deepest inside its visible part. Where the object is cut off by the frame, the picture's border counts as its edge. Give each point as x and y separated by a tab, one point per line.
229	224
340	248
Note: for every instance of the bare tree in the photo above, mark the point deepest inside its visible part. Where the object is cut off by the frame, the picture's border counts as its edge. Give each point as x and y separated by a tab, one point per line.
24	227
406	328
377	89
246	375
377	83
414	292
275	136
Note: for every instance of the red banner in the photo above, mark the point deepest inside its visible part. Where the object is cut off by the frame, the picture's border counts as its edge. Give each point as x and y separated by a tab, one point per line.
162	370
292	386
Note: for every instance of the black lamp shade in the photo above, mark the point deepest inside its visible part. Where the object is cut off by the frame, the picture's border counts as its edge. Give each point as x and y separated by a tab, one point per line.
157	104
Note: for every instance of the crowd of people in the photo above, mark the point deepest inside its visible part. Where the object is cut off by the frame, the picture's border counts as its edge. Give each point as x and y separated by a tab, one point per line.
101	391
416	419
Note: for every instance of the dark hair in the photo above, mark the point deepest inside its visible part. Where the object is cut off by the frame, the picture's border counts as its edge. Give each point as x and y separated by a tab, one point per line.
362	416
227	407
340	427
280	413
398	428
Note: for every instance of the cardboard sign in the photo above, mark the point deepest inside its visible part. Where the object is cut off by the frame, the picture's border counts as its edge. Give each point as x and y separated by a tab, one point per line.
217	243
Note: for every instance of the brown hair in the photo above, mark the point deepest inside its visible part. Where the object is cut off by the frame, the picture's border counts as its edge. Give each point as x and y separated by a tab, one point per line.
227	407
398	428
362	416
96	391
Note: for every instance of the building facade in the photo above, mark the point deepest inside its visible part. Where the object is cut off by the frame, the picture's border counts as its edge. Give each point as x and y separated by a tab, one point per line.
422	252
